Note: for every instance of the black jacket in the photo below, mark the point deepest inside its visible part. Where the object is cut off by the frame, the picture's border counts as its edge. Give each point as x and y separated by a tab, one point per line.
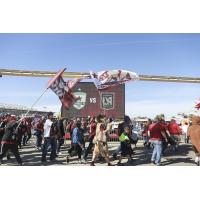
2	126
9	133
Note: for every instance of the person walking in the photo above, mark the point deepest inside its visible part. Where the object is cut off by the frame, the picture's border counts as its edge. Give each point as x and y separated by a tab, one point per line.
125	142
194	133
184	127
157	135
49	138
60	138
175	133
126	123
3	122
92	133
39	129
100	141
9	140
145	133
22	130
77	143
28	134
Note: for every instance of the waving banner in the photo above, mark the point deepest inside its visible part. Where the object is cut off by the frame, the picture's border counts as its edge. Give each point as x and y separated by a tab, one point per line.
105	79
63	90
197	105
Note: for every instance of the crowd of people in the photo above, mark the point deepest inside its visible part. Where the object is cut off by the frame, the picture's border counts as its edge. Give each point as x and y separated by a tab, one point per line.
89	136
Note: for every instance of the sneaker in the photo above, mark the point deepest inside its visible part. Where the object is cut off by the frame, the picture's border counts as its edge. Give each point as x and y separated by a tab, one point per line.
109	164
92	164
153	162
159	164
85	160
80	161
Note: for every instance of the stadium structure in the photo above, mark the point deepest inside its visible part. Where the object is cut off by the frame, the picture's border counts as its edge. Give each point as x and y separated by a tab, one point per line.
19	110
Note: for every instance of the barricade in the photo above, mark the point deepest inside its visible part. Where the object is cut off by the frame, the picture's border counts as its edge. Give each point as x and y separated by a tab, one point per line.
113	136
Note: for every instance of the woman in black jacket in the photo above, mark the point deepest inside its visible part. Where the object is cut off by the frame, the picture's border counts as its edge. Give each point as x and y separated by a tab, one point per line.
9	140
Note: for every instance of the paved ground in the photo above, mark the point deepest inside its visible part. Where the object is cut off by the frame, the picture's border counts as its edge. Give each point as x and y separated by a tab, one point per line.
142	156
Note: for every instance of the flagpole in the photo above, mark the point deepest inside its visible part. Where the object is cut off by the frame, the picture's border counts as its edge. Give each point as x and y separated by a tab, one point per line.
32	106
54	78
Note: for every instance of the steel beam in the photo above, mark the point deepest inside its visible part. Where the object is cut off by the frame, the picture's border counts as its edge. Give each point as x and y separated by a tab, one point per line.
30	73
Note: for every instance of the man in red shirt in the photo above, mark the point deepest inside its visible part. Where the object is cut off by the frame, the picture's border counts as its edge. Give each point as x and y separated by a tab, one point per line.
175	133
39	129
157	132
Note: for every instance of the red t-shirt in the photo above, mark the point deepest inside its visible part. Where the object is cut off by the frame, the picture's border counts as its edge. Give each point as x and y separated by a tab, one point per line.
155	131
39	126
174	129
92	129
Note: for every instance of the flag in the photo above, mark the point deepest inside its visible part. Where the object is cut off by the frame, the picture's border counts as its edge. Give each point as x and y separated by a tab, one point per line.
58	87
197	104
105	79
63	90
57	76
72	83
69	98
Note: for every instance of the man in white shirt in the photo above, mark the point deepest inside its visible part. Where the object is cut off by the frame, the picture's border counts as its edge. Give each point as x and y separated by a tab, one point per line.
49	139
47	126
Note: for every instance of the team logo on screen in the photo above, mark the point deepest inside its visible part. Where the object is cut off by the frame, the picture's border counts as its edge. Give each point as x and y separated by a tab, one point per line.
107	101
79	104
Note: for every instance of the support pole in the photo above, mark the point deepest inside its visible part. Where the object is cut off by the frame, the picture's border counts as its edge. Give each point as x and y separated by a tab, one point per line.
32	107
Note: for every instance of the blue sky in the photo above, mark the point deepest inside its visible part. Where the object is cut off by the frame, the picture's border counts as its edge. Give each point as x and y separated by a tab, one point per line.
149	54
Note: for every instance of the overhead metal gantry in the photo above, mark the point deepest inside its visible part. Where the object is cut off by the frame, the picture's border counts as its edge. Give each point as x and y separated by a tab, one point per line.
30	73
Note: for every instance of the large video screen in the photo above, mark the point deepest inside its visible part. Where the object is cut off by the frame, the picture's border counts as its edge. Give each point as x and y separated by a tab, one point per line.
110	102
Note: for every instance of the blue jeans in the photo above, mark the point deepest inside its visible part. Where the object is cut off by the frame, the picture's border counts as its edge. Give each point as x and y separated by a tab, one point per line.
49	142
157	151
38	135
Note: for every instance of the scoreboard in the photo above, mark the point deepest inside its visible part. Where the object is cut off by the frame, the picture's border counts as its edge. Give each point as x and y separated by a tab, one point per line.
92	102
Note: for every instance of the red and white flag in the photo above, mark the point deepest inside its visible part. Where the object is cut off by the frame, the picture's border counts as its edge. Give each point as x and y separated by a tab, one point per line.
63	90
197	104
105	79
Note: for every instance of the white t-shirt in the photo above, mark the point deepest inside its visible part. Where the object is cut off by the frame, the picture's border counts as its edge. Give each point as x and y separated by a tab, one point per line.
47	127
185	129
